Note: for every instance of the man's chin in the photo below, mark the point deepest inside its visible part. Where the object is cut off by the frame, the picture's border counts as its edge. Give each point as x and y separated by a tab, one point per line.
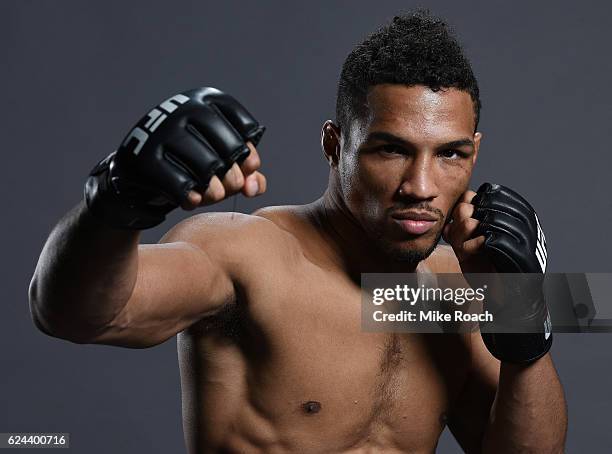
410	252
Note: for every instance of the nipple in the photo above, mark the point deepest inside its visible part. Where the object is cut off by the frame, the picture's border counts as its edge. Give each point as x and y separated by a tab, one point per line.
311	407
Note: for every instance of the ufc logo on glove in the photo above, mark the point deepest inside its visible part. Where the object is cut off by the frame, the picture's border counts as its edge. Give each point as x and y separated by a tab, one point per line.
540	250
155	118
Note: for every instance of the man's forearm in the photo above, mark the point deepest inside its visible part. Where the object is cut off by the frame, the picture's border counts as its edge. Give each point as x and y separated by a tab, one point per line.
85	274
529	413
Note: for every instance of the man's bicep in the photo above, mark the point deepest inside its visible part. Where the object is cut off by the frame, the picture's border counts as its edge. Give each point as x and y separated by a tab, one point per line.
469	417
178	284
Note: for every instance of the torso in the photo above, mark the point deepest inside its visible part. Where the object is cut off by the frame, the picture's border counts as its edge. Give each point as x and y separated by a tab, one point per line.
287	369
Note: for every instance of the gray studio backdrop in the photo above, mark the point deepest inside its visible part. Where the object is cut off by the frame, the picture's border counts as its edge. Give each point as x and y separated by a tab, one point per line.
75	75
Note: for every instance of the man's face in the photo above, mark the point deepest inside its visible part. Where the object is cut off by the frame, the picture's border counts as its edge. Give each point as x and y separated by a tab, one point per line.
403	168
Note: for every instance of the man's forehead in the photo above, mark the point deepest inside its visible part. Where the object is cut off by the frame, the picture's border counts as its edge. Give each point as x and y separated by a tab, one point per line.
400	107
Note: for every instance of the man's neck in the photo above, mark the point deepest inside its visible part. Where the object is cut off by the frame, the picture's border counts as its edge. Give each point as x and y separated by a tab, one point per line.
352	249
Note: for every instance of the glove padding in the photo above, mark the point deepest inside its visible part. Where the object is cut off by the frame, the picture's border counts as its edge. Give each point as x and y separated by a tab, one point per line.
515	243
178	146
514	240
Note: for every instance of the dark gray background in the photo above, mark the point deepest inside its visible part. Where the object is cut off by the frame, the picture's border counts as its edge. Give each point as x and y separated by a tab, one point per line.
75	75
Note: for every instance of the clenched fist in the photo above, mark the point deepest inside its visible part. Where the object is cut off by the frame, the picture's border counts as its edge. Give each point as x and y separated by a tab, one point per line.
195	148
495	230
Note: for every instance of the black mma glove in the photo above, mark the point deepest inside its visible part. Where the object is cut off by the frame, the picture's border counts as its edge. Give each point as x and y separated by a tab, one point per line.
515	243
178	146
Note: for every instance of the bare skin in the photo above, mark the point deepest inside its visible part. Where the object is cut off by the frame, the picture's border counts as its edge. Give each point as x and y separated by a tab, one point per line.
267	306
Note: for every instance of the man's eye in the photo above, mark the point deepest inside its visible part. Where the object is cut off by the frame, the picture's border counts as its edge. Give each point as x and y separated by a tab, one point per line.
391	149
450	154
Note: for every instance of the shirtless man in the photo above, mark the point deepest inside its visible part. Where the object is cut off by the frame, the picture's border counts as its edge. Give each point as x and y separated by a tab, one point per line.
266	306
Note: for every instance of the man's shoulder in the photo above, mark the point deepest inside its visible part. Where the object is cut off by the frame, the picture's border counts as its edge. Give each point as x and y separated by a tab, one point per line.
233	232
286	217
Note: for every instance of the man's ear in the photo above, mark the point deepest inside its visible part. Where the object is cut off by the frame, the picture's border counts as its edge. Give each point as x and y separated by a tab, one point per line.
477	139
330	142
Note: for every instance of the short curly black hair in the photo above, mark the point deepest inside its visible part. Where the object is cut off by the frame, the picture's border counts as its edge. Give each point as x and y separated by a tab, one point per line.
415	48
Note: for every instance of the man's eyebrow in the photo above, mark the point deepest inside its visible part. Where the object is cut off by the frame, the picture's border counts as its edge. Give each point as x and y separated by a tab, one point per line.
458	143
392	138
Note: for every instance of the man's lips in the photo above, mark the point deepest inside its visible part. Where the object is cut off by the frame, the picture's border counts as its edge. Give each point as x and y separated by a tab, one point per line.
415	222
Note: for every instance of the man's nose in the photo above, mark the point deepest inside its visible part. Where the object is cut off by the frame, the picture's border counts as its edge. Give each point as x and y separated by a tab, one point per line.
419	180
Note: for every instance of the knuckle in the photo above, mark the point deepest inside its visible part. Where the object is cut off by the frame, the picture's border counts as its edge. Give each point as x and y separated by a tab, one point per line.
215	193
255	161
251	165
457	210
465	223
235	184
465	209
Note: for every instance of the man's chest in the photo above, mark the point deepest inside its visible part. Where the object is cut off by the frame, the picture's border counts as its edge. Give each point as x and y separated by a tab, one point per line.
309	368
317	361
